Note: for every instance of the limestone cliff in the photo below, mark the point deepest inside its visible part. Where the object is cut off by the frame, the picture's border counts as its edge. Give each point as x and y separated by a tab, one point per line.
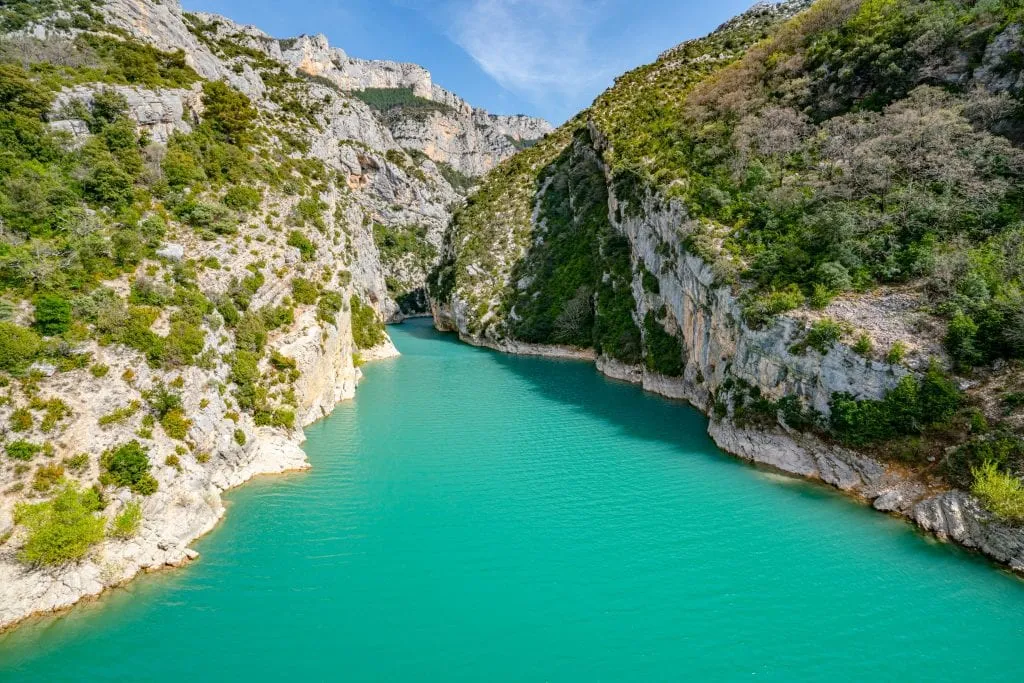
639	233
239	277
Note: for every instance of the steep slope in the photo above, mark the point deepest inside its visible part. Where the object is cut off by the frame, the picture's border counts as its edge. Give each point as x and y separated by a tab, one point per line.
808	224
201	234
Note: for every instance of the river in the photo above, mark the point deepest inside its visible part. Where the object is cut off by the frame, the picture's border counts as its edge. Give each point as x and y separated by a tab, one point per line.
475	516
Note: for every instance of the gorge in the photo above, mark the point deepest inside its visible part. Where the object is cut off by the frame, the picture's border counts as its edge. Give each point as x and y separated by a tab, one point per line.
807	225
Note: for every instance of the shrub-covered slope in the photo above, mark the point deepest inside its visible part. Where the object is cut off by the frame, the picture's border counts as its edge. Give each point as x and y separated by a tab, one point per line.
808	223
200	240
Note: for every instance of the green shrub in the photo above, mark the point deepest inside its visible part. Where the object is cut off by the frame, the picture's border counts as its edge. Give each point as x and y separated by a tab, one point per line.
275	317
243	198
128	465
327	308
46	477
77	463
175	424
18	346
22	450
119	415
960	341
664	351
245	373
228	112
240	437
823	335
251	332
55	411
864	346
896	353
52	314
304	291
306	248
759	309
1000	492
162	400
99	370
60	530
127	522
912	407
367	329
388	99
22	420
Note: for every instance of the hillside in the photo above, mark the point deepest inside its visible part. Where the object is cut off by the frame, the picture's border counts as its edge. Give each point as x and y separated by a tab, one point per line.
202	232
809	225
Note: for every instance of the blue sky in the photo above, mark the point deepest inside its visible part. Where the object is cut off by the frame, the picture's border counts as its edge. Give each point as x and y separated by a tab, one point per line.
548	58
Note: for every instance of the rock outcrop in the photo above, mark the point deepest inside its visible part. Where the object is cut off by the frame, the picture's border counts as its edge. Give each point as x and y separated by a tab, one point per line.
350	183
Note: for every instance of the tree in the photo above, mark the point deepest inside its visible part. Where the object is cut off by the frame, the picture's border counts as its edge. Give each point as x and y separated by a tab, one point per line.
128	465
228	112
53	314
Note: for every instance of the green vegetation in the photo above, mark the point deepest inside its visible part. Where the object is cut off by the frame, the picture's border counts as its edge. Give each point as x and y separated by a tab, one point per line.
1002	493
119	415
18	347
821	336
913	407
663	351
305	291
306	247
398	241
128	465
60	530
367	329
127	522
22	450
400	101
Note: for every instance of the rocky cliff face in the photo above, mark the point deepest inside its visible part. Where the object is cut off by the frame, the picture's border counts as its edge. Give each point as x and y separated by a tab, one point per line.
348	220
599	242
467	138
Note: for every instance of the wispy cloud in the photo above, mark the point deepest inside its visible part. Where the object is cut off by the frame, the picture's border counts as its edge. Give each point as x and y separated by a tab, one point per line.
542	49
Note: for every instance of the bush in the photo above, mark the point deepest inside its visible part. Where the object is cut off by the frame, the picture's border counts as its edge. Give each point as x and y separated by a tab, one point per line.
22	420
823	335
367	329
329	305
240	437
228	112
251	332
896	354
175	424
60	530
128	465
243	198
52	314
910	408
960	341
304	291
46	477
864	346
22	450
306	248
127	522
664	351
18	346
1001	493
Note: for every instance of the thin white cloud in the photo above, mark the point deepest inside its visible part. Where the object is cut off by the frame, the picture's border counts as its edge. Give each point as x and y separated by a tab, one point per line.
542	49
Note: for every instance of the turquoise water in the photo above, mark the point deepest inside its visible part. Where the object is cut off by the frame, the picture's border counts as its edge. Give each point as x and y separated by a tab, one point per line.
473	516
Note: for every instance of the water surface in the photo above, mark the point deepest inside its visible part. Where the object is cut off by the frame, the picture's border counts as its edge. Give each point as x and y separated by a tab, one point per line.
473	516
